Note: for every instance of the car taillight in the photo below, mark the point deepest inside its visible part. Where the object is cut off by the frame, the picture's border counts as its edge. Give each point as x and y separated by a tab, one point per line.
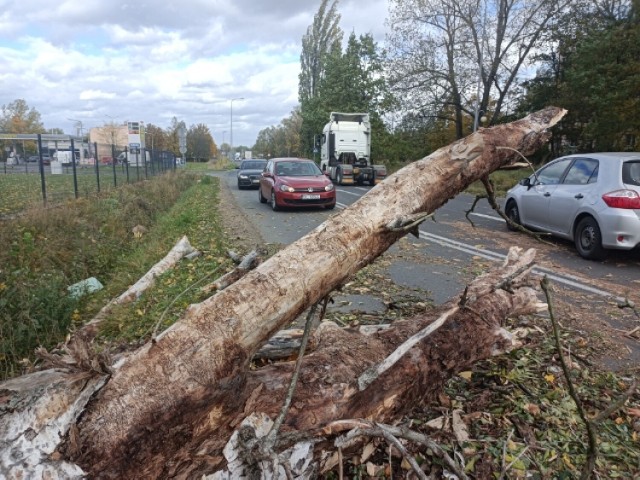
628	199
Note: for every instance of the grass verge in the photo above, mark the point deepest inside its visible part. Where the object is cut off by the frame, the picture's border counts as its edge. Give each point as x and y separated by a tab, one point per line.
48	250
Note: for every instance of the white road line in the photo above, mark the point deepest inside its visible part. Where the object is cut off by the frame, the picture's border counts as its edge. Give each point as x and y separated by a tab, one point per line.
350	193
565	279
490	217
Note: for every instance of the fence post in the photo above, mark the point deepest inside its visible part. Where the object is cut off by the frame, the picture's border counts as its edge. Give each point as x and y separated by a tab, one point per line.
95	159
144	159
73	165
41	167
113	164
126	161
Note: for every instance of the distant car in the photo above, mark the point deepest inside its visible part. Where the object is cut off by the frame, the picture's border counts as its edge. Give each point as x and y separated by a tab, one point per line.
46	158
295	182
592	199
250	172
33	159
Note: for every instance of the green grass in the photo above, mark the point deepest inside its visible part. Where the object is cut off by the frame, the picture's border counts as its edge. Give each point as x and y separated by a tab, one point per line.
46	250
502	180
22	190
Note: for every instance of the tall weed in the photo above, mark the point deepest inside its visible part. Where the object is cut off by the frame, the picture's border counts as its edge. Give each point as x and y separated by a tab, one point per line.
46	250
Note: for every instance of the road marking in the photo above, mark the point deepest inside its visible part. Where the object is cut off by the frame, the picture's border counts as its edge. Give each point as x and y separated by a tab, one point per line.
350	193
565	279
490	217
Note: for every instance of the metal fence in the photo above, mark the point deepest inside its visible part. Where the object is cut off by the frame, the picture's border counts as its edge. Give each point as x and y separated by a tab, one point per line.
52	175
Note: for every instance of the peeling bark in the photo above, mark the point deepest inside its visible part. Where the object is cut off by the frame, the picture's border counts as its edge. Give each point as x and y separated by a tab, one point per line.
169	408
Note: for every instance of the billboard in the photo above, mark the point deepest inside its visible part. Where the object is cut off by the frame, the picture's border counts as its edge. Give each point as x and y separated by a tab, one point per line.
135	141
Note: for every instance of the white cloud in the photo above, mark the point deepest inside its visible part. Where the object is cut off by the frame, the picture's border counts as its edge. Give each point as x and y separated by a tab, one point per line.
152	60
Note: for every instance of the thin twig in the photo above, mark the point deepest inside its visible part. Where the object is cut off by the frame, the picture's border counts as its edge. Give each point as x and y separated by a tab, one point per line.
504	454
523	157
592	452
617	404
271	436
273	433
491	198
473	208
407	434
177	297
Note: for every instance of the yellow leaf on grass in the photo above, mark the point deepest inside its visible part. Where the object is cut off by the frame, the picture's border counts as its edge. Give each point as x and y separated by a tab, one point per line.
567	461
619	421
466	375
550	377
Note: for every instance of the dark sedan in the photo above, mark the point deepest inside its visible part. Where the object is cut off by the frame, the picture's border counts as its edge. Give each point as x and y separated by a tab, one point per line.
249	173
295	182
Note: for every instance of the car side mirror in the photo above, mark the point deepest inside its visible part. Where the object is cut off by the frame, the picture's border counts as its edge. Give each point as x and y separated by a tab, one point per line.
525	182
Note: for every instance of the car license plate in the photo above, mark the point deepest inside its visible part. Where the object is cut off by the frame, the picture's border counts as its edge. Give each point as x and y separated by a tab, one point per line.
311	197
255	180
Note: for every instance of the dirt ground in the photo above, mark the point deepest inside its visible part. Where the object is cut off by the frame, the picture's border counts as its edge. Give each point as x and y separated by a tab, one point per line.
599	327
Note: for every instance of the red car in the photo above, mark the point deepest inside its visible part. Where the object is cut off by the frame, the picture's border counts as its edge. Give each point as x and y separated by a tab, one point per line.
295	182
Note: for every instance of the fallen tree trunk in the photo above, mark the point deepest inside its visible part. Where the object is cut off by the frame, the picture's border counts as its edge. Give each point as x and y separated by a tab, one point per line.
159	412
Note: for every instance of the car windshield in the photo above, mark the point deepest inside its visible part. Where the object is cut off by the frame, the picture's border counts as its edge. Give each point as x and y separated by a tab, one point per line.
631	173
297	169
253	165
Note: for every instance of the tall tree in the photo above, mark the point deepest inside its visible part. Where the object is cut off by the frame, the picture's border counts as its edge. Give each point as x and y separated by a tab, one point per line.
17	117
353	81
323	36
597	47
200	144
157	137
282	140
171	133
463	54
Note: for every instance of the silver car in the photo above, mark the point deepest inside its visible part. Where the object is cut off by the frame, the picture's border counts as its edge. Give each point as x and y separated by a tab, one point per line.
592	199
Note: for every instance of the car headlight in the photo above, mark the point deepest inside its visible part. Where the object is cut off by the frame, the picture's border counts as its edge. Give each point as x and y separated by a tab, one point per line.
287	188
329	187
244	177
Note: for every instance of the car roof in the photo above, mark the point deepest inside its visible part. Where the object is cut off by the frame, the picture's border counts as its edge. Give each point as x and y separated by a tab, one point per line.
291	159
607	156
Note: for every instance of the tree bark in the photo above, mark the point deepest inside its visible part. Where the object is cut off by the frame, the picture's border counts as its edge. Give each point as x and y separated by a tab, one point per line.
167	409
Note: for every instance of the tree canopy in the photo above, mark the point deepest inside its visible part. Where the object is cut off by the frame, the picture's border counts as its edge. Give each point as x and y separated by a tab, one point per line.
17	117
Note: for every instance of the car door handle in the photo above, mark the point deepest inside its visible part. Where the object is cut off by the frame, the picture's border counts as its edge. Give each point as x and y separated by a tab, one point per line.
579	196
547	194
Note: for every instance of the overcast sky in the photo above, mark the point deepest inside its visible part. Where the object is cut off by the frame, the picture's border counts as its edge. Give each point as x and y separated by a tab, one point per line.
150	60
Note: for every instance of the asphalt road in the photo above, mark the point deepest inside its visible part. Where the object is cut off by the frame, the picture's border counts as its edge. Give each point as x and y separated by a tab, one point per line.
451	250
453	236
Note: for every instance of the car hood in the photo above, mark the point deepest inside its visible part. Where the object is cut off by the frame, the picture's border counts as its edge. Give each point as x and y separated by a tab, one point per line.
301	182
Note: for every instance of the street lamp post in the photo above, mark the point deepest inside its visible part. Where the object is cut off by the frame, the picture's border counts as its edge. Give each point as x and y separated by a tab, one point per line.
231	124
79	133
224	132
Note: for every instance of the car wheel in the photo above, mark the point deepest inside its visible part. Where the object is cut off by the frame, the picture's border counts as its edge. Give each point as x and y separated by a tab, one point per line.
339	177
239	186
330	207
512	214
274	205
260	197
588	239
